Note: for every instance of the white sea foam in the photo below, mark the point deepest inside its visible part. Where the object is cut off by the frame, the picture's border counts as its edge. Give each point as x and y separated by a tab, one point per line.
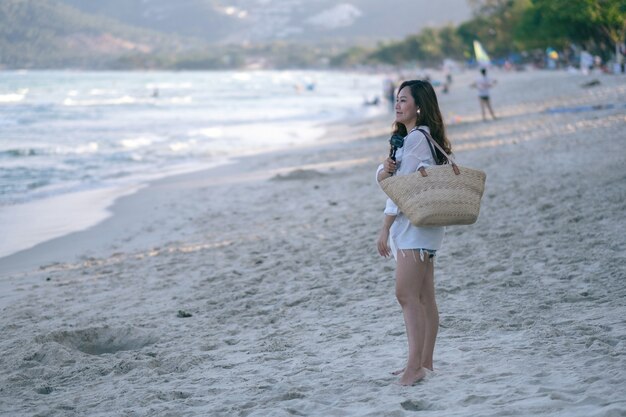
102	92
88	148
181	146
106	102
16	97
134	143
209	132
181	100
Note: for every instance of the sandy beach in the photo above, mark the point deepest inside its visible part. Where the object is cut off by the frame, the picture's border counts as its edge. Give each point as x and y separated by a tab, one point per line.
255	289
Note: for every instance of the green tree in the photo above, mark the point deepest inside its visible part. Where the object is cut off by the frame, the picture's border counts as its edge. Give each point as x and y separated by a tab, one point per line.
394	53
451	43
494	24
429	47
594	23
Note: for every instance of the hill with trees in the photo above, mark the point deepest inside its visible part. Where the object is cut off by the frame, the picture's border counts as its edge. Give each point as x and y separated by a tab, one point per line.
51	34
202	34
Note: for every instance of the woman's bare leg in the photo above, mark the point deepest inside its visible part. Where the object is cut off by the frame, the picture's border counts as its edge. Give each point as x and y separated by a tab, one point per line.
482	109
488	102
422	318
410	275
431	316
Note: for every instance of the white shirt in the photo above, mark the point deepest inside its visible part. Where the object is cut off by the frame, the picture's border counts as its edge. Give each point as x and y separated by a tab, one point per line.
414	154
483	84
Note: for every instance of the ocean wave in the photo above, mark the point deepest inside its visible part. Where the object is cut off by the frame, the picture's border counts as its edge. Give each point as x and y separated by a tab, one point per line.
126	100
182	146
91	147
134	143
14	97
106	102
16	153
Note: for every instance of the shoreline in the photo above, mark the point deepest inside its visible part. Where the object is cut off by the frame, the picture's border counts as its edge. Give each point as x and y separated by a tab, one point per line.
103	214
40	192
34	222
91	207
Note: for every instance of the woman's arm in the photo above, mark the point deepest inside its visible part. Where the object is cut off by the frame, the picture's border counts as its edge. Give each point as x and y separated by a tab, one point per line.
386	169
390	207
416	154
383	238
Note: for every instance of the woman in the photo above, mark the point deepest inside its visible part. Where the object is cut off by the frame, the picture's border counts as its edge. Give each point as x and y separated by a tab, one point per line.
414	248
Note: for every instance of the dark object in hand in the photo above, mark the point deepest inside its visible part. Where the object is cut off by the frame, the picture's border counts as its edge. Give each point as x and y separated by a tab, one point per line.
396	141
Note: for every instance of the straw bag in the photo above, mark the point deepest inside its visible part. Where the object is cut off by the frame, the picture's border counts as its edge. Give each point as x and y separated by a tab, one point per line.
448	195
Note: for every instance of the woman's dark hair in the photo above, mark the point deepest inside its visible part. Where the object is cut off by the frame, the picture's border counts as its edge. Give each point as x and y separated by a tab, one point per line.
430	115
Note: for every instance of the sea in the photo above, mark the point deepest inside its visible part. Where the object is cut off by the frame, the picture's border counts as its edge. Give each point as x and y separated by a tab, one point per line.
68	132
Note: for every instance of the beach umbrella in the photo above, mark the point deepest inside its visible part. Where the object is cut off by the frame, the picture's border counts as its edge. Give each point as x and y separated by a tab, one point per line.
552	54
481	56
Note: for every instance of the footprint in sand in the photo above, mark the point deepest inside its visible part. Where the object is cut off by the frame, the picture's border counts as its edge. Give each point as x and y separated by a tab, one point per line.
101	340
410	405
45	390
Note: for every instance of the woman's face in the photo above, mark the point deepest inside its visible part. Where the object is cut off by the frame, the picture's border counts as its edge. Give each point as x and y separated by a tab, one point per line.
406	109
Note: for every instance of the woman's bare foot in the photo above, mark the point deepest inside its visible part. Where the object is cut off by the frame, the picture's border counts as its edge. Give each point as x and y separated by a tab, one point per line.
398	372
412	376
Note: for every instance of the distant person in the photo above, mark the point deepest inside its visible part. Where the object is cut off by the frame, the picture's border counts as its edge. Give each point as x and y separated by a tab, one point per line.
389	92
155	93
414	248
586	62
373	102
484	84
597	64
447	83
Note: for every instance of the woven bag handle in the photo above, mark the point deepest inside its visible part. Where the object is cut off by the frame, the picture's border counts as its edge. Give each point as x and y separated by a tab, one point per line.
434	142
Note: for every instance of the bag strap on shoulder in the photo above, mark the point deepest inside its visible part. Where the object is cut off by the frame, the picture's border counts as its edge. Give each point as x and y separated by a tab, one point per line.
432	142
455	167
433	152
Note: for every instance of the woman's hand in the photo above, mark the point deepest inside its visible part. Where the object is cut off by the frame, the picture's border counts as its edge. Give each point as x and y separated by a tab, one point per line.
390	166
383	245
